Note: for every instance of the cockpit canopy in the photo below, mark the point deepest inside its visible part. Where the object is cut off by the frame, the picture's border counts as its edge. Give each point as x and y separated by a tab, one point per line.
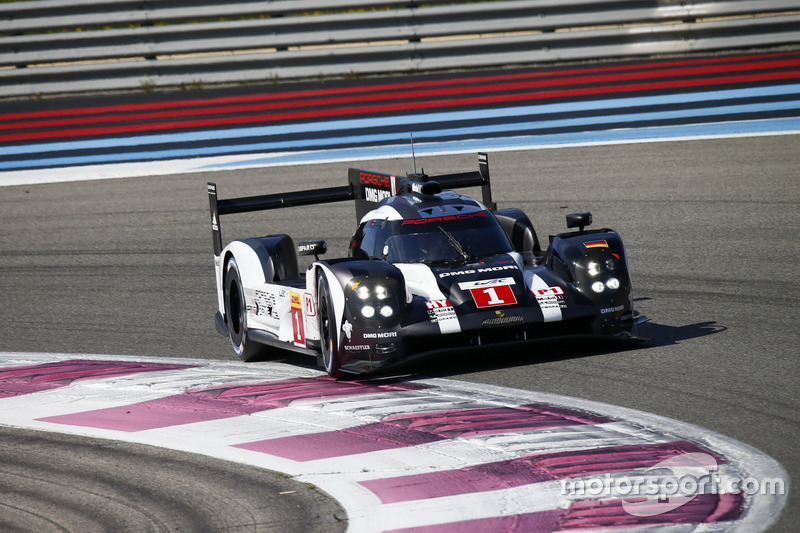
433	240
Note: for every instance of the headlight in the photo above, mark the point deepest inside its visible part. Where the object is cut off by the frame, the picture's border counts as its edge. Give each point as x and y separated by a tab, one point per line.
361	291
364	291
600	272
377	302
381	292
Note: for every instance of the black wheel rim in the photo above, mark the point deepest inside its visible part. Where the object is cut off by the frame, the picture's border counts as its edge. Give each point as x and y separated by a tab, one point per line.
235	309
325	331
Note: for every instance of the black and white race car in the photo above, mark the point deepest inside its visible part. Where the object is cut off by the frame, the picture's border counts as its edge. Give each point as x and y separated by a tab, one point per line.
426	269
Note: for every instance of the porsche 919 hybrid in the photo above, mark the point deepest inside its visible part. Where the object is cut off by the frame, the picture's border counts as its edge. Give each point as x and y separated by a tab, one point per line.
426	269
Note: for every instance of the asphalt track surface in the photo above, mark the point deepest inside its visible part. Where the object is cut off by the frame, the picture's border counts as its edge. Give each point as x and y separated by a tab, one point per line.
125	267
54	482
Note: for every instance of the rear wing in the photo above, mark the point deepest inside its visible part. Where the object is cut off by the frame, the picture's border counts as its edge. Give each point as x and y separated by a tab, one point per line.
365	187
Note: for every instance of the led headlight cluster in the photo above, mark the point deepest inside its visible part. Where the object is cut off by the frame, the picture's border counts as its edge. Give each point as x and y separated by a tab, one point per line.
374	301
603	273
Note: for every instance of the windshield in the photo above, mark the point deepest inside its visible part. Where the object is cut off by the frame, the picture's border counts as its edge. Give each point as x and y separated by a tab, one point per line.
434	241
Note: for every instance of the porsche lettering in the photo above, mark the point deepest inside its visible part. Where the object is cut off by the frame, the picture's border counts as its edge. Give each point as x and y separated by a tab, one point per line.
465	216
378	180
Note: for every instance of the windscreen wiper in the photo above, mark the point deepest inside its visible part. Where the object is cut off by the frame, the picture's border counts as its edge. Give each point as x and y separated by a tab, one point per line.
455	244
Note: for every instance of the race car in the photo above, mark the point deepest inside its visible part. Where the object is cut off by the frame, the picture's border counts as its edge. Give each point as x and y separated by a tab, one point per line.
426	269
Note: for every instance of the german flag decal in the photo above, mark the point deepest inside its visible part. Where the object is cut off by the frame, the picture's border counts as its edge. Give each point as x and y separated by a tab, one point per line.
596	244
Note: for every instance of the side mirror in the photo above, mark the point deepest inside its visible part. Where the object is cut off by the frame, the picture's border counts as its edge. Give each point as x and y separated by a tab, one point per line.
315	248
579	220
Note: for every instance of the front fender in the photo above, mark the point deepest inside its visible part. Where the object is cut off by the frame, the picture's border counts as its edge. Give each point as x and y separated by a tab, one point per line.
343	276
595	264
321	268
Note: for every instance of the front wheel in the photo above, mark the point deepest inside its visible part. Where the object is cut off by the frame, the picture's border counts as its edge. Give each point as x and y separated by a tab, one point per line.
236	315
329	338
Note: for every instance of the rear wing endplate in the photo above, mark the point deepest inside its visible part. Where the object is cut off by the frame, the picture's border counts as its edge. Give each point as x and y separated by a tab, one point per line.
365	187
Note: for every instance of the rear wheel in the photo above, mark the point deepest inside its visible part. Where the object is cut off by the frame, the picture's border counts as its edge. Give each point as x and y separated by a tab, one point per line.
329	338
236	315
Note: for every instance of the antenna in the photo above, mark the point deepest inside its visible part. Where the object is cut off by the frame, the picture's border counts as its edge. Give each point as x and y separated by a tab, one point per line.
413	156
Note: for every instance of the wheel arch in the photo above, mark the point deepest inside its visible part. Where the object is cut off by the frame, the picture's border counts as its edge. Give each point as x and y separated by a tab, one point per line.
252	271
335	288
339	274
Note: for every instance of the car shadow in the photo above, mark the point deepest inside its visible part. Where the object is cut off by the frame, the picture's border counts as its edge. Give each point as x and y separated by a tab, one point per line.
474	359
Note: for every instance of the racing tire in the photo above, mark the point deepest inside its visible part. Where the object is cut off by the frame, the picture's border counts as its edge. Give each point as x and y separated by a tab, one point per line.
329	338
236	315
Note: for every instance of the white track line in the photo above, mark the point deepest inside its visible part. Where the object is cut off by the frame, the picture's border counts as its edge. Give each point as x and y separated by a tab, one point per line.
350	476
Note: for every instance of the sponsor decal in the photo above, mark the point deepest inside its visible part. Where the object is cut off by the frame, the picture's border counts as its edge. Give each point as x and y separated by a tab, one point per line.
375	180
306	247
380	335
502	321
596	244
548	291
482	283
298	323
357	347
416	186
442	312
264	304
551	301
376	187
214	223
612	309
347	327
308	305
477	271
464	216
295	299
438	304
375	195
490	292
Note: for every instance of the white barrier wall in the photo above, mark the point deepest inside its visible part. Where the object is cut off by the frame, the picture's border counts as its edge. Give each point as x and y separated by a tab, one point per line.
62	46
